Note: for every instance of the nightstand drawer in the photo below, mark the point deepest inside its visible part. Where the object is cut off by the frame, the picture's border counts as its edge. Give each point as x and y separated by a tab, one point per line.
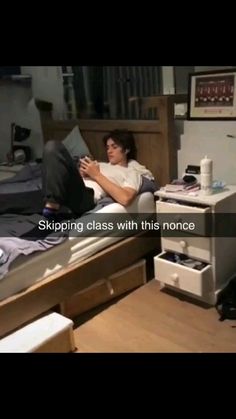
172	213
164	206
182	277
193	247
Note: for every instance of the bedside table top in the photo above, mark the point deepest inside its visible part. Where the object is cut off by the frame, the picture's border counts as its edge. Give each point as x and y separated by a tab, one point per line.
213	199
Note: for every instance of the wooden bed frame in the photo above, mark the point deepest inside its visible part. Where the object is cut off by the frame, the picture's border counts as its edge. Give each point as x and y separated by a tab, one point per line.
157	150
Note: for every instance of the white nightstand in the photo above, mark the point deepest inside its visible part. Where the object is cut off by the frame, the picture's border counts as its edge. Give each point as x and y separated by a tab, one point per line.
218	254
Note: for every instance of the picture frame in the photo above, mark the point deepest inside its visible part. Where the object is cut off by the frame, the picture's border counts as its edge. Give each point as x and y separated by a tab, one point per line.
212	95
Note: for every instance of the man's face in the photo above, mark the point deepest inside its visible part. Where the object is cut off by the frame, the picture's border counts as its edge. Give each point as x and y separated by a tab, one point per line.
115	153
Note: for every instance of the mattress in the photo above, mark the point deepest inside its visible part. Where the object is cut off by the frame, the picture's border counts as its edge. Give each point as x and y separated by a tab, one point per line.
28	270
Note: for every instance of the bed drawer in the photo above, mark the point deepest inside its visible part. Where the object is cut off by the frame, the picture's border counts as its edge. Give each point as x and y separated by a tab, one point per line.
177	213
194	247
181	277
105	290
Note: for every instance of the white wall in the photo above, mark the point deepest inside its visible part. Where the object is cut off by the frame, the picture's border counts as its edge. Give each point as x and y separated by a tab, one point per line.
209	138
169	73
17	105
47	84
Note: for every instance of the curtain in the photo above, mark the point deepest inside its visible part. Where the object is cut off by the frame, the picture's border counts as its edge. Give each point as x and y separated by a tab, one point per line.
110	91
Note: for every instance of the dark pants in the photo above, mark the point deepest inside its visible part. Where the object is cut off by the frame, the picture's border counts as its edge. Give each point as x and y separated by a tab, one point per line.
61	183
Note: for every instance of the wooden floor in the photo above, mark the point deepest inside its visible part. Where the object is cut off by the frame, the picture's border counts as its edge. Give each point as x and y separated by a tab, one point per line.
150	320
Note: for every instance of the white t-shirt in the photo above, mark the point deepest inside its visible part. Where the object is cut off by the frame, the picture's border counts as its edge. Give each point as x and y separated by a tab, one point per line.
129	177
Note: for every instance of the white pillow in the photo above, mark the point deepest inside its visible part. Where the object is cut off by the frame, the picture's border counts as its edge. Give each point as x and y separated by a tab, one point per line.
75	144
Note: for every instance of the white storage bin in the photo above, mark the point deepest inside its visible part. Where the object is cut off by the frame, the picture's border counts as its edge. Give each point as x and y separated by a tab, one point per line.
51	333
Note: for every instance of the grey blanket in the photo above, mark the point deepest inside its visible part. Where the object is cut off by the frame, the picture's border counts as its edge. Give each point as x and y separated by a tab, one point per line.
16	232
19	234
27	179
12	247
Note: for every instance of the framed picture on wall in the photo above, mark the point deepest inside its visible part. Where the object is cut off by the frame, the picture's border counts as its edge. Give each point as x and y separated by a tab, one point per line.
212	95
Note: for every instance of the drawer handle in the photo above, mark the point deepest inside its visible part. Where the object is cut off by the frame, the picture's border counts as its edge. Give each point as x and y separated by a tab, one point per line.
183	244
175	278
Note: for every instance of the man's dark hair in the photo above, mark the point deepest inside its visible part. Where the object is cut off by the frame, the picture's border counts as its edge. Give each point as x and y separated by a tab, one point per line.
125	140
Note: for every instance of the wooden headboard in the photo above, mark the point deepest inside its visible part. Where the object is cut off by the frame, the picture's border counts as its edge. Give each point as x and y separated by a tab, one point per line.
155	139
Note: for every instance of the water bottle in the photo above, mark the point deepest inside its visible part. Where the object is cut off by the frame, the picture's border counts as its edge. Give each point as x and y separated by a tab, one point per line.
206	176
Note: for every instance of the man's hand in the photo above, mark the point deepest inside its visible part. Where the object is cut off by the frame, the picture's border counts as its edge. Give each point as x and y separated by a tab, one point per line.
89	168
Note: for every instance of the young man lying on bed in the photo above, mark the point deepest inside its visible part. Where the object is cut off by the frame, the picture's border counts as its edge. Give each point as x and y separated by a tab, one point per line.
80	187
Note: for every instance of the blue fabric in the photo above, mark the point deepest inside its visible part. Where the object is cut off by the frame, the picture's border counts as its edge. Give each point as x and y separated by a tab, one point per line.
148	185
50	213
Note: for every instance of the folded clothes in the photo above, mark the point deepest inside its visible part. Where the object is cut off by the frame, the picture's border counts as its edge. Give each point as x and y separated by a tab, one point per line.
185	261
